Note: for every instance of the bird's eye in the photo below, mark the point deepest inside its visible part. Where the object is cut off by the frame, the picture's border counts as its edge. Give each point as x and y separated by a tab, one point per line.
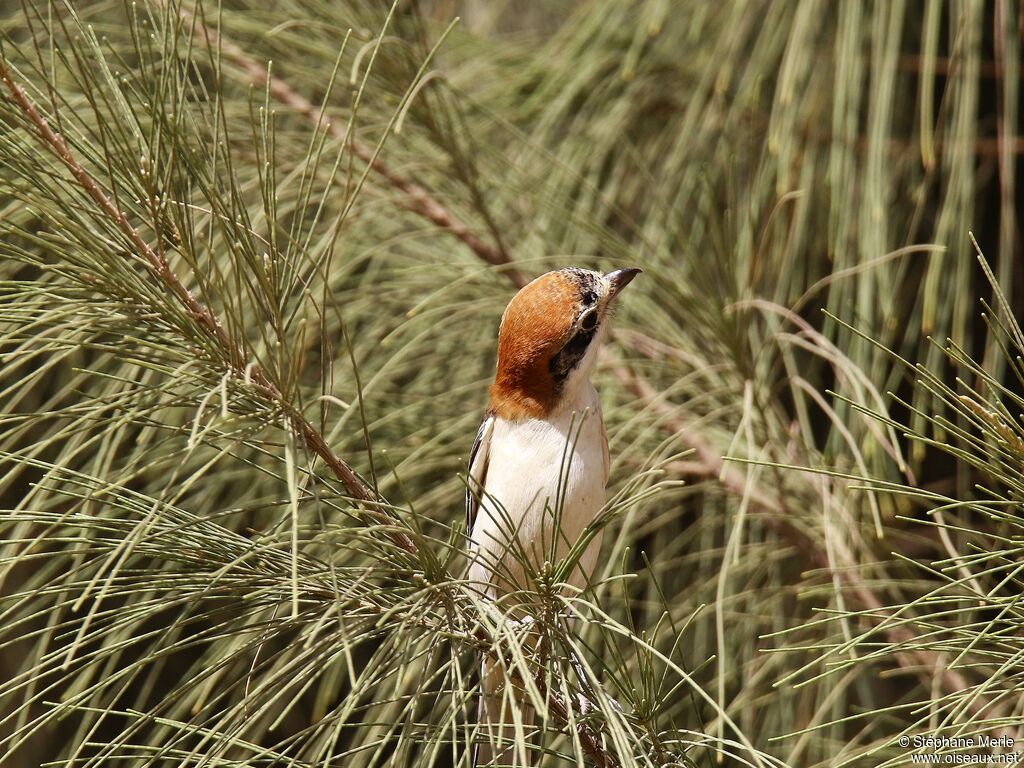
589	298
589	322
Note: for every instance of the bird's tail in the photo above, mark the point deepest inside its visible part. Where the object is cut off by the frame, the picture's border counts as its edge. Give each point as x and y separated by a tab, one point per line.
497	743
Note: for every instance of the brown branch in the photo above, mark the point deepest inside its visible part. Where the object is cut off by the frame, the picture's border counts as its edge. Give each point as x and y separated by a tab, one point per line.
709	465
589	740
481	640
416	198
206	319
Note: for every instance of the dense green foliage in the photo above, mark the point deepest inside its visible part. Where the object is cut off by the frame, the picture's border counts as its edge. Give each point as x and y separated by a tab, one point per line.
281	222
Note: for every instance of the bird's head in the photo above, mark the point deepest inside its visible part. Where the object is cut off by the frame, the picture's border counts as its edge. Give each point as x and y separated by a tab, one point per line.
549	337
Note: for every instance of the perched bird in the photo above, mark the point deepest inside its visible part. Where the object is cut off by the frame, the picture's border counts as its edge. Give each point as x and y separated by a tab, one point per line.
539	465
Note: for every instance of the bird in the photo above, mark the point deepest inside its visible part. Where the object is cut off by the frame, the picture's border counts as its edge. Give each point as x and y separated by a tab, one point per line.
539	464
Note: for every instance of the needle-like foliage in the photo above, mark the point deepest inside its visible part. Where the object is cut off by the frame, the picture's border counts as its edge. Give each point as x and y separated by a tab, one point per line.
252	262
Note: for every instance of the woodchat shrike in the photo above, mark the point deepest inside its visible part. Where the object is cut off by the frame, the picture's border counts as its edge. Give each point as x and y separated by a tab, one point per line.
539	465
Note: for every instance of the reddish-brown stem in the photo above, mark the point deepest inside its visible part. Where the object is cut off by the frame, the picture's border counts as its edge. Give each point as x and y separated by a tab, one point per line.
313	440
415	197
709	464
206	319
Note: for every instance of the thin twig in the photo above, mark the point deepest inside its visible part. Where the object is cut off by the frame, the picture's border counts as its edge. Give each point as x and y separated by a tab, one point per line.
589	740
416	198
709	464
201	313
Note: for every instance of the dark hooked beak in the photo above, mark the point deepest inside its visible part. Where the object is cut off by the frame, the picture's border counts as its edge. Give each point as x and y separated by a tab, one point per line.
619	279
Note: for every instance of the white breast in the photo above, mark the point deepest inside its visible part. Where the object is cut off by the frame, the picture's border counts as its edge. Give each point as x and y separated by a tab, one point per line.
545	483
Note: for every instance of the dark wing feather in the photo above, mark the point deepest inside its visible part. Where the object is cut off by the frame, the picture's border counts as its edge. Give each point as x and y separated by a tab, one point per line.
478	459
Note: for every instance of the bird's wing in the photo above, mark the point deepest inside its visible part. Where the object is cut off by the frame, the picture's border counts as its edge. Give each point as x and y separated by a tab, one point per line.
478	460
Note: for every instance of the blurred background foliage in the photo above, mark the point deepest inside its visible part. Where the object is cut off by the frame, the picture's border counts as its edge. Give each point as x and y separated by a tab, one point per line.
816	347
